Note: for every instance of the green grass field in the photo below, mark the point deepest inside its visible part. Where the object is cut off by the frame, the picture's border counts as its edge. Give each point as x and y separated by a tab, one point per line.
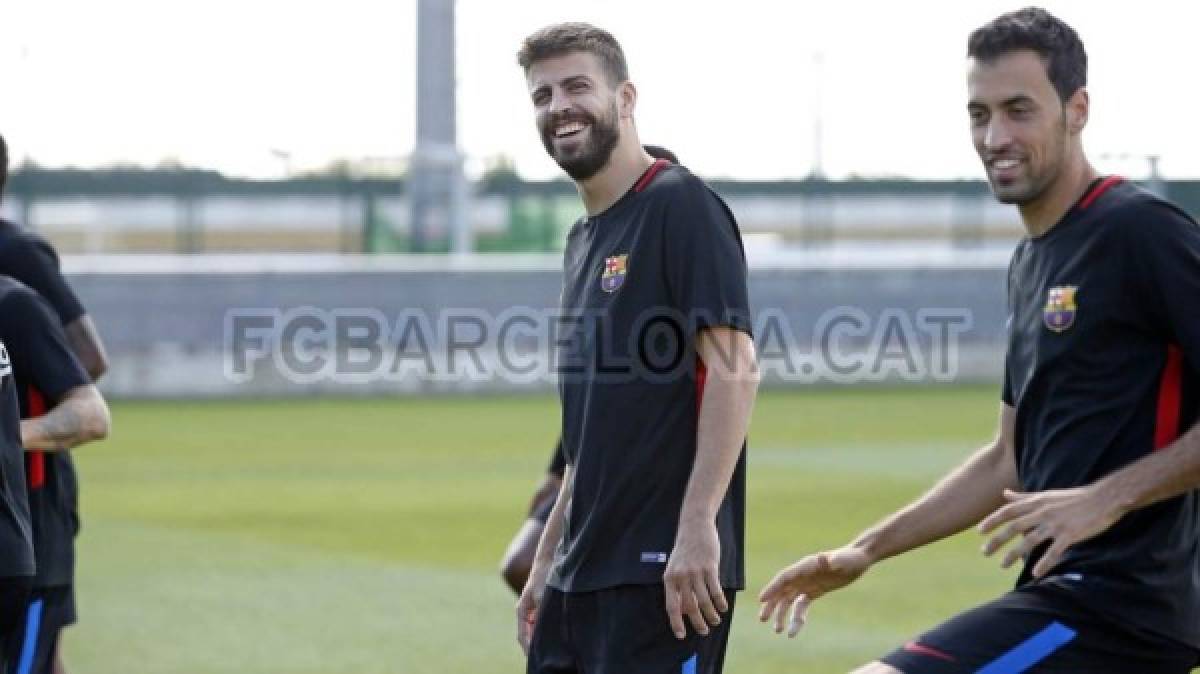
360	536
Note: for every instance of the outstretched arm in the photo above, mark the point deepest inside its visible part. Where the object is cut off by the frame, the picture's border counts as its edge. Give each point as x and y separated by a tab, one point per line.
959	500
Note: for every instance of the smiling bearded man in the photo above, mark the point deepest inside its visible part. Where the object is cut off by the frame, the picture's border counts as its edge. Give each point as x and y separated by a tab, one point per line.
641	557
1094	472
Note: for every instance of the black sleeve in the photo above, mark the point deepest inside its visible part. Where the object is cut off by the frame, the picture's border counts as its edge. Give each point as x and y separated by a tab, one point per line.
38	347
558	462
1006	391
704	261
1164	247
32	261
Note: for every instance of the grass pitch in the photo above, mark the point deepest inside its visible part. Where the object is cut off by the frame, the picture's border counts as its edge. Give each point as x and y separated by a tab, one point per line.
362	536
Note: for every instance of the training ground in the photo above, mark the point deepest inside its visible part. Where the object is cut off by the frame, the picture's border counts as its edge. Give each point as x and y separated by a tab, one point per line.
363	536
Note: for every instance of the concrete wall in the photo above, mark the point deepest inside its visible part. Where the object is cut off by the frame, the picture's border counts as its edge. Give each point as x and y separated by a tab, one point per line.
166	320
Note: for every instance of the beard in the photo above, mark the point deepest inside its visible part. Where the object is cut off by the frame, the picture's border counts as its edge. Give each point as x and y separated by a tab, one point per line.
1037	180
587	159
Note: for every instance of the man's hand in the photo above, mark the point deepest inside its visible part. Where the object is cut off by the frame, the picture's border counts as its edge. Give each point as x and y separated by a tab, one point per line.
692	584
793	589
528	604
1064	516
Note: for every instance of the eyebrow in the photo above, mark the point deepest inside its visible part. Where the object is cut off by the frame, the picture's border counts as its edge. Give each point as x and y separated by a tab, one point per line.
1015	100
1008	102
566	81
575	78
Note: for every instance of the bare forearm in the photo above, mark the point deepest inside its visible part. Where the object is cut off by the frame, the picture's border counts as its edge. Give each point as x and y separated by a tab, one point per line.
1161	475
553	532
959	500
721	432
81	416
730	389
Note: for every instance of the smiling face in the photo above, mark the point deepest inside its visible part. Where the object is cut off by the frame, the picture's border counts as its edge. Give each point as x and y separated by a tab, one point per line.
578	111
1022	130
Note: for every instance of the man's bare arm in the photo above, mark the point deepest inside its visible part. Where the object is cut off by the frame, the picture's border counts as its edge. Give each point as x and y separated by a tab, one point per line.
80	417
531	597
960	499
1158	476
730	388
553	533
85	343
691	581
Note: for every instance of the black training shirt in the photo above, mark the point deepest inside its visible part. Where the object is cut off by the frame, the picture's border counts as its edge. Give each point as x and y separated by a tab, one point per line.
16	536
30	259
1103	368
45	370
640	280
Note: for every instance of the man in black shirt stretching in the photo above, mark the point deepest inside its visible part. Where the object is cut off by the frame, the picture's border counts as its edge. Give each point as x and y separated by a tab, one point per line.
1094	472
641	556
57	355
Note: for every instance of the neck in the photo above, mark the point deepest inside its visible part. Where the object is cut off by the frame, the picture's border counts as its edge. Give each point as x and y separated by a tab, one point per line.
1041	214
627	163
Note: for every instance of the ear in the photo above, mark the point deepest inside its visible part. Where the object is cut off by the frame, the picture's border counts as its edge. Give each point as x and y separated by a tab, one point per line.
1078	107
626	99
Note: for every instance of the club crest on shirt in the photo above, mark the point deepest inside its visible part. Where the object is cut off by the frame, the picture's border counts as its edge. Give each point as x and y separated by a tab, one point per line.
614	273
1059	313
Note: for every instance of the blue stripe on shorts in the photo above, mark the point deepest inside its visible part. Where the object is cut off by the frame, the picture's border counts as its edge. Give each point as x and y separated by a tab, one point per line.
1031	651
33	623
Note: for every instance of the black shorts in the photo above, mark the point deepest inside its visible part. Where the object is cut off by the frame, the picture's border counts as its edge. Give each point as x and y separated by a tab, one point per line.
14	598
1043	630
622	630
49	610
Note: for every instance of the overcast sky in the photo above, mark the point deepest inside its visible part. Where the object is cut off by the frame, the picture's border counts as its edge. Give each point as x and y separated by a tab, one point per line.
729	86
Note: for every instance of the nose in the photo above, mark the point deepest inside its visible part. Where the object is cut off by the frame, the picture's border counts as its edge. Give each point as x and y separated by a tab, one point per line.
997	135
559	101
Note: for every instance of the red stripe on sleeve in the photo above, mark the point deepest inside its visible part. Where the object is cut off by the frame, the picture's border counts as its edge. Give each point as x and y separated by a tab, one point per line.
1170	399
35	462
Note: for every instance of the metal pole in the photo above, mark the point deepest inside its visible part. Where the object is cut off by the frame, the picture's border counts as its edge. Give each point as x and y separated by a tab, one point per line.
437	188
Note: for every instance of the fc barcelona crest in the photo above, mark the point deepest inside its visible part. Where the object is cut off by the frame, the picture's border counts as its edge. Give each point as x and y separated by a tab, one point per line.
614	273
1059	313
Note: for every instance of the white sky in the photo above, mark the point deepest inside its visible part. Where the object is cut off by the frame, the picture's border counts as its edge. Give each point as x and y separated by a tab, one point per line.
729	86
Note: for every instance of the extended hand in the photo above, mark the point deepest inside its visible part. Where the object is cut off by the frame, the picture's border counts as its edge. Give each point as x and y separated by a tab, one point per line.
691	581
1064	516
796	587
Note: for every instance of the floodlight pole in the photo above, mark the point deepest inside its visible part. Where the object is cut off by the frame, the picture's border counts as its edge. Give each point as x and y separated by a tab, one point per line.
437	189
818	165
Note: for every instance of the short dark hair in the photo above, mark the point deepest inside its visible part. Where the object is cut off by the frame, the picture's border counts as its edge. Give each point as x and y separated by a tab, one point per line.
565	38
1037	30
